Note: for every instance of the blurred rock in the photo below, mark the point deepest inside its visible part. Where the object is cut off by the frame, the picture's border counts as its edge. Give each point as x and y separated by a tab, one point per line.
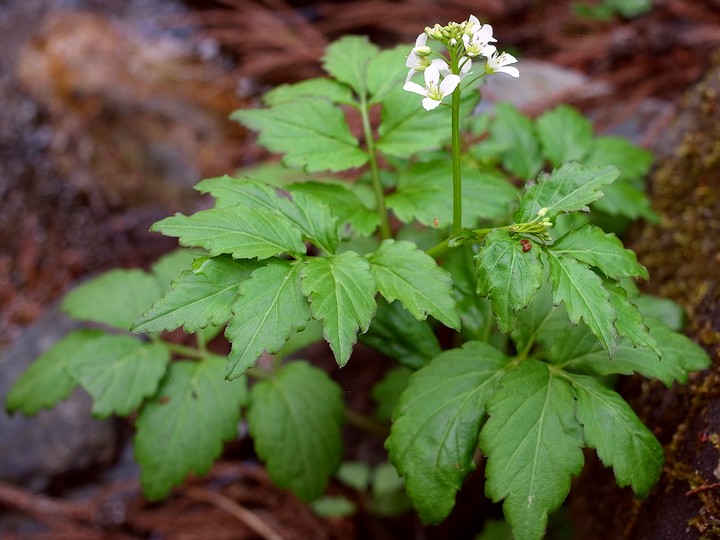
137	115
62	441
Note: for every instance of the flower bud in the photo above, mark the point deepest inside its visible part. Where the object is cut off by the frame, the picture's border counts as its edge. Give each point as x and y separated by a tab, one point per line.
423	50
543	211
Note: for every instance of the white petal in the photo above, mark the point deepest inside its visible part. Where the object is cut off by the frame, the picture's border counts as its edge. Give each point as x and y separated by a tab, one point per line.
421	40
441	66
510	70
465	67
430	104
432	74
506	58
449	84
484	34
415	88
473	19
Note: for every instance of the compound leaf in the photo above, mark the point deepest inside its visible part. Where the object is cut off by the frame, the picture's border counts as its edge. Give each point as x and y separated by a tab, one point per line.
311	132
312	88
630	321
436	425
341	291
244	233
183	430
565	135
533	442
509	275
582	292
48	380
385	72
403	272
620	438
604	251
513	136
198	297
270	308
119	372
347	60
116	298
568	188
295	419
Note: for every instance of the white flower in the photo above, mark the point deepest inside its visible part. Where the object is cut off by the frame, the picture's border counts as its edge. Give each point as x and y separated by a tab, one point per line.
499	63
479	39
440	64
434	90
418	60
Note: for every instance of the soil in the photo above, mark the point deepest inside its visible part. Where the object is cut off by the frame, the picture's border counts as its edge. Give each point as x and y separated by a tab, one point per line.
55	230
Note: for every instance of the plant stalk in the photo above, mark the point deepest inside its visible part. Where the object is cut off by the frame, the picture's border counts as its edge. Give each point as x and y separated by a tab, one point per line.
375	172
457	179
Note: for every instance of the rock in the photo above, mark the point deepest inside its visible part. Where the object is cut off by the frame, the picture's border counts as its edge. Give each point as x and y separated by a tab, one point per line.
62	441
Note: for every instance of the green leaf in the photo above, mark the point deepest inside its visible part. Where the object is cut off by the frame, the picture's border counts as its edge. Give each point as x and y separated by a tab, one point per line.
354	474
533	446
295	419
116	298
321	87
244	233
508	275
341	291
475	311
199	297
565	135
403	272
513	134
630	321
48	381
314	218
347	60
312	133
119	372
436	424
271	307
232	191
591	245
568	188
333	506
539	319
385	72
582	292
663	309
183	430
397	334
170	266
620	438
634	162
622	199
386	392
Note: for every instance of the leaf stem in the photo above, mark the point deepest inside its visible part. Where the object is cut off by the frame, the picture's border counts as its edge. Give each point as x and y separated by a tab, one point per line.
374	171
182	350
457	179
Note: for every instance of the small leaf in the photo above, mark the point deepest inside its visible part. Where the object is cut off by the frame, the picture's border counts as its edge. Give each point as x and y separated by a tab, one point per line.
347	60
634	162
385	72
403	272
436	424
509	275
314	219
244	233
341	291
630	321
591	245
565	134
48	380
622	199
183	431
568	188
271	307
295	419
312	133
533	446
620	438
663	309
333	506
116	298
170	266
199	297
397	334
322	87
582	292
514	136
119	372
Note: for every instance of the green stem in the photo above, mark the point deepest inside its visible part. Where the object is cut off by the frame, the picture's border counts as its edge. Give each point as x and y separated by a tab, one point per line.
457	179
367	424
375	172
182	350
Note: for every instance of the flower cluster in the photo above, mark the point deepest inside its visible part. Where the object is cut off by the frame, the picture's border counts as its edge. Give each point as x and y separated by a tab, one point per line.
464	41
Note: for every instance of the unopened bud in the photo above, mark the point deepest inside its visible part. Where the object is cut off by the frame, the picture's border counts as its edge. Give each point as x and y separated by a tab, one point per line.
543	211
423	50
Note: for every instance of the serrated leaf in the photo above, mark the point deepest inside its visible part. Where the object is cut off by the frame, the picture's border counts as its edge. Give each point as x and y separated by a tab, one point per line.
295	419
314	218
582	292
199	297
619	437
183	430
540	319
568	188
347	60
116	298
244	233
385	72
622	199
312	133
48	380
663	309
565	135
533	446
271	307
436	424
341	291
634	162
403	272
170	266
397	334
591	245
323	87
231	191
508	275
630	321
119	372
475	311
513	136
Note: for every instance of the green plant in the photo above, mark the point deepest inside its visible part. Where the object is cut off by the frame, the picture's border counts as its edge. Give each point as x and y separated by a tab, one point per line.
607	9
536	297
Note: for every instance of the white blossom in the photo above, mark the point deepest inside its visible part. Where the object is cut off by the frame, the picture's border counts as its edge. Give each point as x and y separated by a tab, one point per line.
478	39
434	90
499	63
